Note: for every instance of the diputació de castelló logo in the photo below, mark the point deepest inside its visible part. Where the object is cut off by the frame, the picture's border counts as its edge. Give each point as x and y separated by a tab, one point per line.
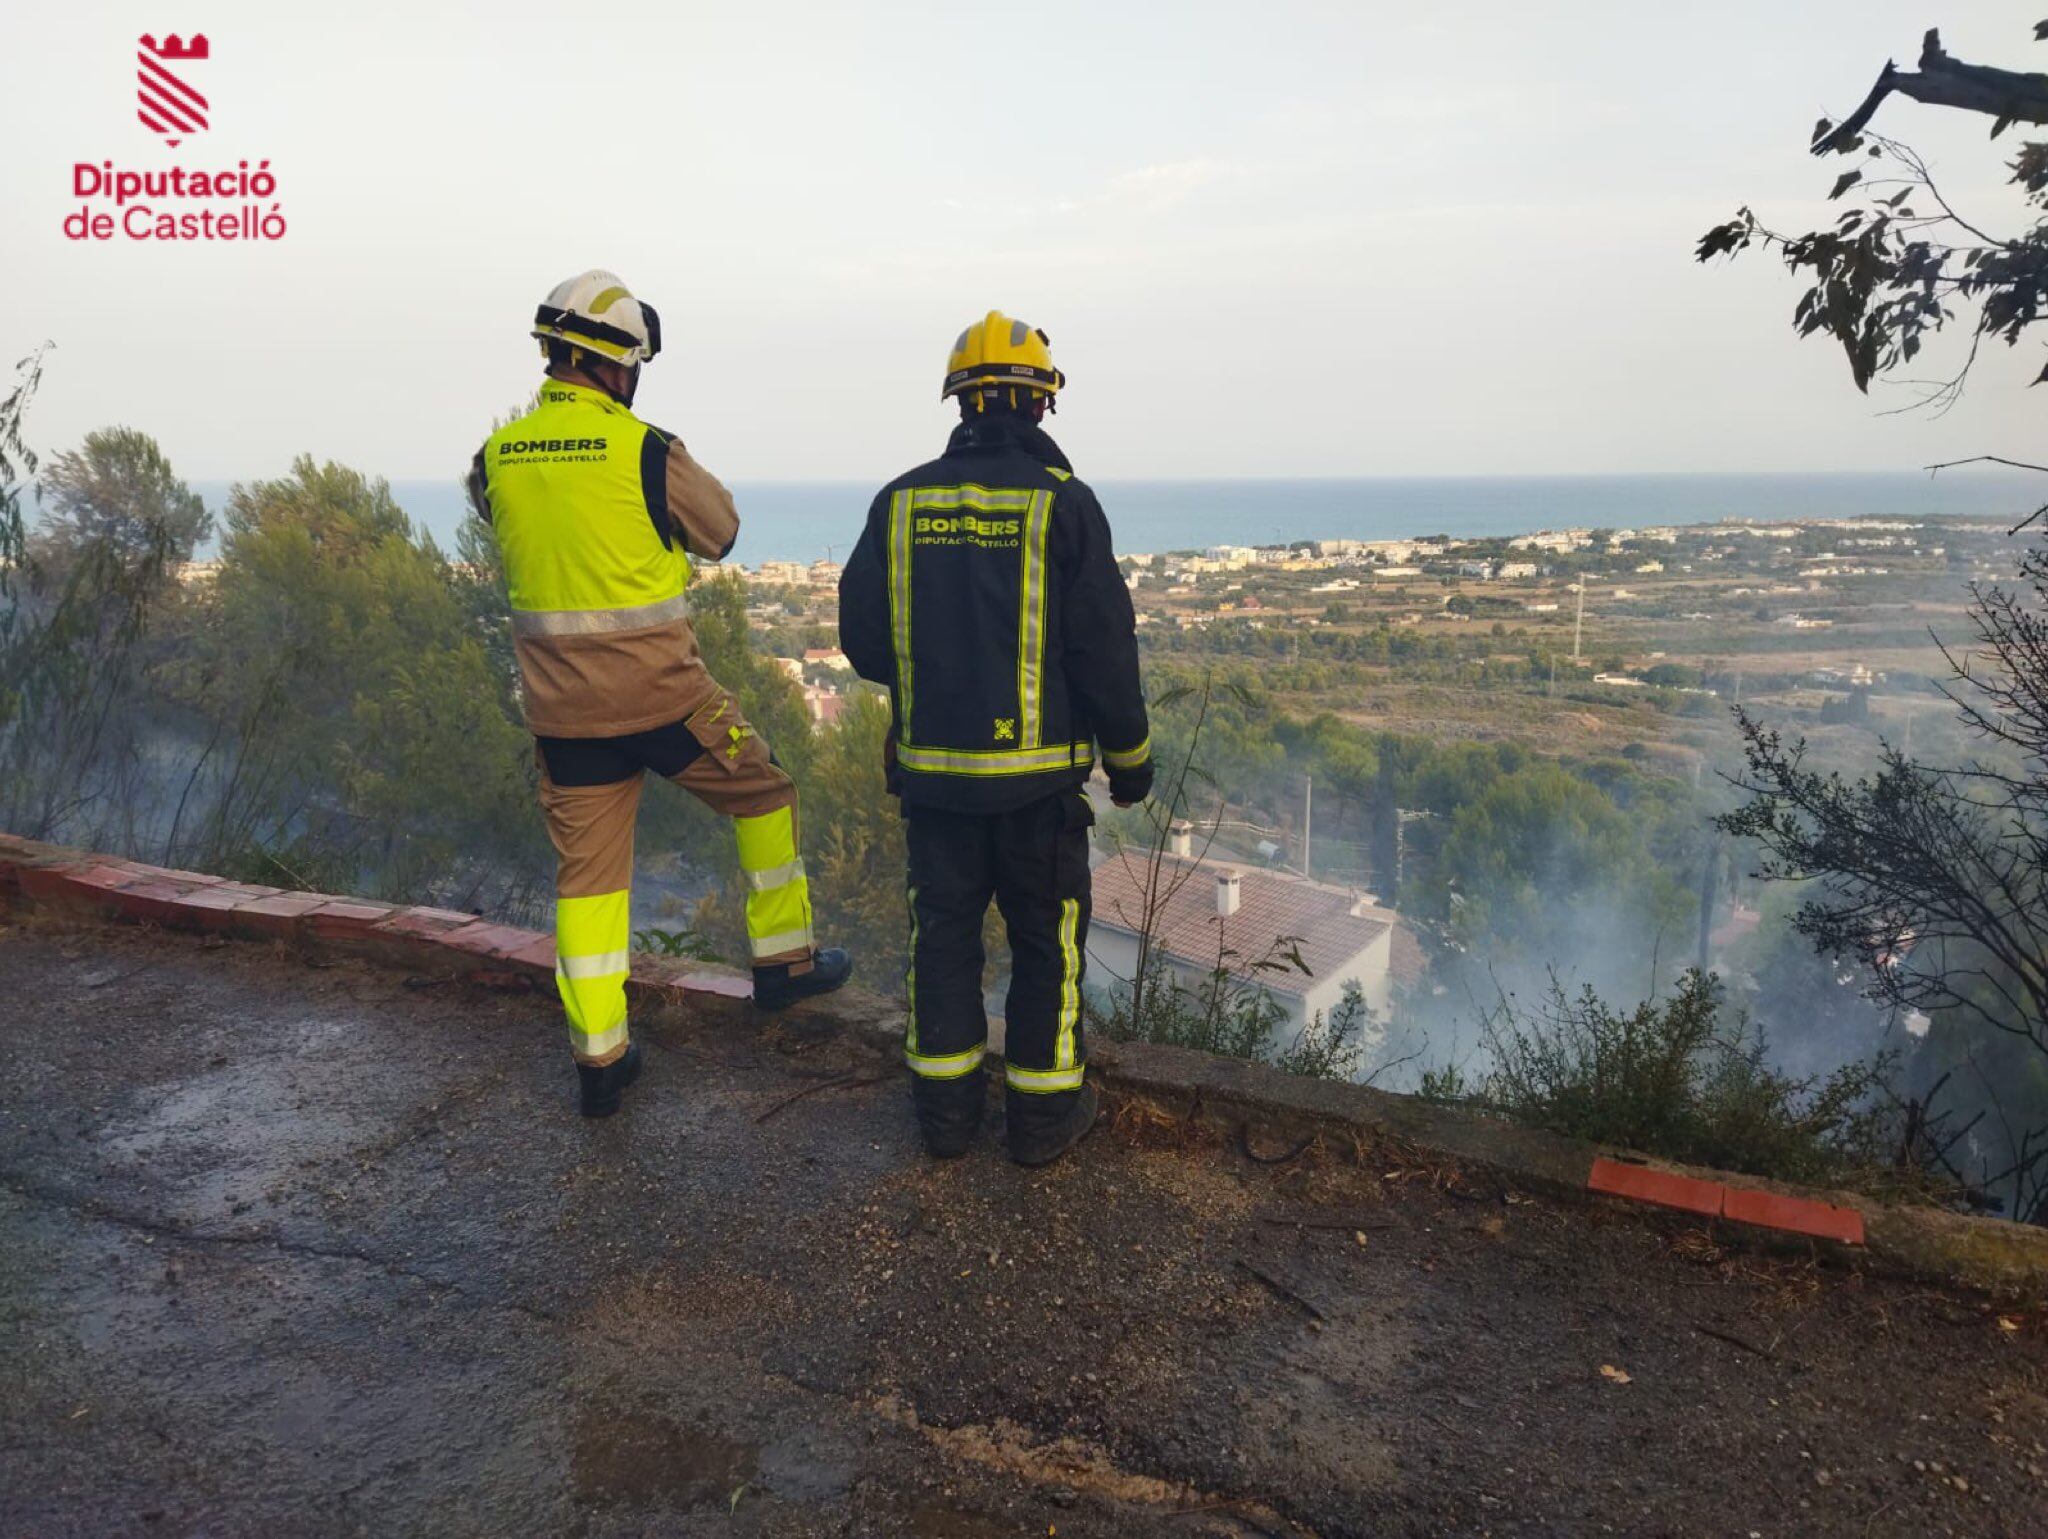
176	203
165	99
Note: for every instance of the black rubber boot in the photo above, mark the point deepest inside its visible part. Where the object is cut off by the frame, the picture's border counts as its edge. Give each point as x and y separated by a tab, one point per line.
603	1085
949	1113
1044	1127
777	988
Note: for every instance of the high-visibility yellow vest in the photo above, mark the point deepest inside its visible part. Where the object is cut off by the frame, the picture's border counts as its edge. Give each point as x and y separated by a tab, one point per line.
596	570
583	553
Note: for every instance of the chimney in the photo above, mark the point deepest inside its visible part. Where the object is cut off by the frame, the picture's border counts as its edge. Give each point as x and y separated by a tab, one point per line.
1180	839
1227	892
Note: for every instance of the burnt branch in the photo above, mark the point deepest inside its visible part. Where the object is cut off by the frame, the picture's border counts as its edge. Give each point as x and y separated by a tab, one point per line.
2004	95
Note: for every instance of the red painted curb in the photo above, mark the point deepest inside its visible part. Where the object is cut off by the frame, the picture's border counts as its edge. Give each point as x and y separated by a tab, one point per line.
339	918
482	939
278	915
426	923
1642	1184
1797	1215
494	954
538	954
167	874
660	973
1714	1199
157	902
71	882
209	908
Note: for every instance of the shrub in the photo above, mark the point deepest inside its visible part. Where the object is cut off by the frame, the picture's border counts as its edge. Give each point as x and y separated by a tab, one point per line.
1667	1078
1229	1011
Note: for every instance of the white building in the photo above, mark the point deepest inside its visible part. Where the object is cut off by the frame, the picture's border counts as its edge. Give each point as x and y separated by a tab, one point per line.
1207	905
1558	540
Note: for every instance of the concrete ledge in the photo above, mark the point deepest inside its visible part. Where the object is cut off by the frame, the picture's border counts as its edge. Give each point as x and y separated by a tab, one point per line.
1931	1244
1928	1243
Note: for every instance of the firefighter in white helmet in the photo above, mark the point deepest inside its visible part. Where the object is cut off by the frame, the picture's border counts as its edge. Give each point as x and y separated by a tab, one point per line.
597	515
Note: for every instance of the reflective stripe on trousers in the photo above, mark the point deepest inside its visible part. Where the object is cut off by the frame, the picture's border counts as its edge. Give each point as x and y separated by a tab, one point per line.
593	939
778	891
951	1066
1066	1073
1044	1081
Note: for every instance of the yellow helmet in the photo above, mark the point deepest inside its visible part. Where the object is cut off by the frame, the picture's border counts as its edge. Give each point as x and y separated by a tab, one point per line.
998	353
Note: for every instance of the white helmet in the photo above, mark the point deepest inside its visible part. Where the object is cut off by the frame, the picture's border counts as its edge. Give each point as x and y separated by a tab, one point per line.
595	310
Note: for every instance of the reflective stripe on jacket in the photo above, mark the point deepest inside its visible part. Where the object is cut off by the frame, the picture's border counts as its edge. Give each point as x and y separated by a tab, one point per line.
596	515
984	593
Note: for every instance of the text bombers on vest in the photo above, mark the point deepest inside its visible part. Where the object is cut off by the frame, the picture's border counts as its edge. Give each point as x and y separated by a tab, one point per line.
551	446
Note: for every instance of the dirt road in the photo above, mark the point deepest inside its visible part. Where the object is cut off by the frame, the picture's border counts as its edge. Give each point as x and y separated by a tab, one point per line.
293	1250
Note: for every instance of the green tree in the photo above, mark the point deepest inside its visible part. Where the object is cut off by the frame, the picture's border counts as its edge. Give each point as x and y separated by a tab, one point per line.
82	593
1541	866
853	839
116	497
360	734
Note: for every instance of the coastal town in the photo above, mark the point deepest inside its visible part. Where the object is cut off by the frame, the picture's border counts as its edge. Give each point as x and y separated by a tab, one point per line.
1797	610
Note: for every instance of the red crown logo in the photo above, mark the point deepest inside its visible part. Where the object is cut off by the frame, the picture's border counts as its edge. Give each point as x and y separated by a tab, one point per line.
165	101
171	48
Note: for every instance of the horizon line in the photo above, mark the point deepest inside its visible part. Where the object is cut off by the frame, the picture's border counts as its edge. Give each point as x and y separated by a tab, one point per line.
1251	479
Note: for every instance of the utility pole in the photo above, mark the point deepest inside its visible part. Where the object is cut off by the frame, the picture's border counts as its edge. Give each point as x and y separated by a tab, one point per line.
1710	871
1579	620
1308	801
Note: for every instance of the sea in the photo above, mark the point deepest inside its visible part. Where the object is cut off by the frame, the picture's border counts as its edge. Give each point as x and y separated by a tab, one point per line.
813	520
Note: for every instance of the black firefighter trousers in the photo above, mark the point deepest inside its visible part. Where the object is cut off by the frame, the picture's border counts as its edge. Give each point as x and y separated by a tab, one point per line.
1033	861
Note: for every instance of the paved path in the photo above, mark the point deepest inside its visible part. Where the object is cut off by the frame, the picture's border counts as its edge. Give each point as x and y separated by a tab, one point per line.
321	1250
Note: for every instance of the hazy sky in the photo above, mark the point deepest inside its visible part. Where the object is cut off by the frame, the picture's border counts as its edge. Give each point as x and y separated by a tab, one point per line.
1275	239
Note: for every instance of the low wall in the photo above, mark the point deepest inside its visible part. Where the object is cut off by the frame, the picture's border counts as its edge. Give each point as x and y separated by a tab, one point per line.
1923	1242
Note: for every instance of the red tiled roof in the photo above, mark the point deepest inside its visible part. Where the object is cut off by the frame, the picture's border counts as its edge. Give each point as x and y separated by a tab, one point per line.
1270	905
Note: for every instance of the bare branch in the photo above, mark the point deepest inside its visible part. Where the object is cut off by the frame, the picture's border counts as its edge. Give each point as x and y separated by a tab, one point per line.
2008	96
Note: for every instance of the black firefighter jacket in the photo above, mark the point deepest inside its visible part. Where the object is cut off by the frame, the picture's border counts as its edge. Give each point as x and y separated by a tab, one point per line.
984	593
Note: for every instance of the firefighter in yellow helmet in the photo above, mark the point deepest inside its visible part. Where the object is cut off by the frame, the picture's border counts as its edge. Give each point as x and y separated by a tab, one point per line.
597	515
985	594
